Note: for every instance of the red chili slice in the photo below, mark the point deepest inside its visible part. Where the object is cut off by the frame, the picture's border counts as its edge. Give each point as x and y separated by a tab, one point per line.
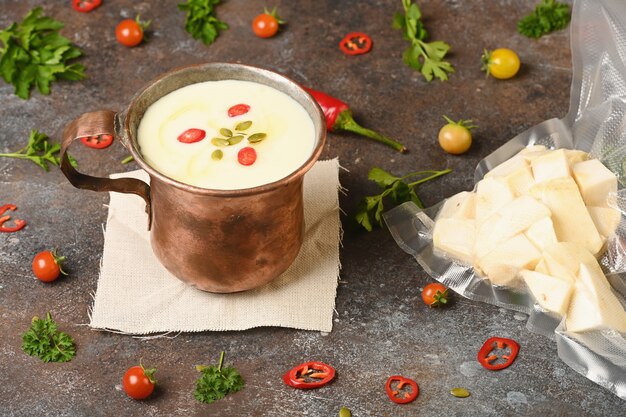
238	110
355	43
18	223
489	361
246	156
191	136
397	392
85	6
309	375
97	141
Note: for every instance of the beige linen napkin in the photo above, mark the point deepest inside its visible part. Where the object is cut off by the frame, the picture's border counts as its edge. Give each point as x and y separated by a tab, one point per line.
137	295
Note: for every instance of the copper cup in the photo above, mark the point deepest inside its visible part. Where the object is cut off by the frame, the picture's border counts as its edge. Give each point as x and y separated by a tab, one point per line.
216	240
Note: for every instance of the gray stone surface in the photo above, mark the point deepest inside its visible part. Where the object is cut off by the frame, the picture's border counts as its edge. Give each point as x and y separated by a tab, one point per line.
381	326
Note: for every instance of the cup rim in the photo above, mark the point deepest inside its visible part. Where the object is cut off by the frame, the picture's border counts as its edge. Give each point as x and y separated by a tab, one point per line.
124	123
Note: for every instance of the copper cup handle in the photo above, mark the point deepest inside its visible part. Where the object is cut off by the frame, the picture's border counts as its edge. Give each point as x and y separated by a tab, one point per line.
95	123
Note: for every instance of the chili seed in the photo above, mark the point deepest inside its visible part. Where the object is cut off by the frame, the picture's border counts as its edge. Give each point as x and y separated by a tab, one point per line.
235	140
243	125
344	412
257	137
219	142
460	392
226	132
217	155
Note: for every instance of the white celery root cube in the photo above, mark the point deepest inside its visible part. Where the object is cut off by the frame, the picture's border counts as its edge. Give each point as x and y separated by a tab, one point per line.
455	237
593	305
517	216
503	264
459	206
575	156
541	233
508	167
551	293
491	195
570	217
606	219
535	151
550	166
564	259
521	180
596	182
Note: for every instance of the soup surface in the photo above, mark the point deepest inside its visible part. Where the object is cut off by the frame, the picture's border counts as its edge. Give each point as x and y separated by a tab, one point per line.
226	135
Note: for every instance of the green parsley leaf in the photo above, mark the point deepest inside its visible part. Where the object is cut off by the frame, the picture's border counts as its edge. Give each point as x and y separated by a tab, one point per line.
201	21
45	341
426	57
370	210
548	16
216	383
40	151
34	54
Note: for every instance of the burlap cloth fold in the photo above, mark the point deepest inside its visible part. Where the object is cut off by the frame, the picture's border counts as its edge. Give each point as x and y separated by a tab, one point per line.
137	295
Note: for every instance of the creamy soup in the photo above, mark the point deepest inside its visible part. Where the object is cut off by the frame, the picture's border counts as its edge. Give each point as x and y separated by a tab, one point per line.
226	135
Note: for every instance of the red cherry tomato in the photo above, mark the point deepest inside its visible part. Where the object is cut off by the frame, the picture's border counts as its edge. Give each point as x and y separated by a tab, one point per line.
97	141
191	136
129	32
265	25
435	294
138	382
85	6
246	156
47	266
238	110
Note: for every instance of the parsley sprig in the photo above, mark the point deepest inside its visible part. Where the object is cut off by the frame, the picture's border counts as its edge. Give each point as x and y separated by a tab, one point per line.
33	53
548	16
44	340
369	213
426	57
201	20
216	383
39	151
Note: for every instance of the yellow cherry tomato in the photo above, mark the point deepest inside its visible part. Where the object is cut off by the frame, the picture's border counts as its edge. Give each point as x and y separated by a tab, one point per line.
502	63
455	137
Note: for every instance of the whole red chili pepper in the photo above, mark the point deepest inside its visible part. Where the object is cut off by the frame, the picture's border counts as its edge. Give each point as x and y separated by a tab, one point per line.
488	361
339	117
85	6
396	392
309	375
19	224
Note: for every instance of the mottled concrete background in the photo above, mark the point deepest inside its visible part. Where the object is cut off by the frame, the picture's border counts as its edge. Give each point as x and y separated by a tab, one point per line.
381	326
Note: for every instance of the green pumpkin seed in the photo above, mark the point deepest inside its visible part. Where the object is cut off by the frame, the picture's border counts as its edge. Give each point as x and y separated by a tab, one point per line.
217	155
243	125
257	137
344	412
235	140
219	142
226	132
460	392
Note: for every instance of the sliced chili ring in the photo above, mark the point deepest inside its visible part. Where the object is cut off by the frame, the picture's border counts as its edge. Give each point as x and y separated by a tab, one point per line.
355	43
97	141
85	6
397	392
489	361
18	223
309	375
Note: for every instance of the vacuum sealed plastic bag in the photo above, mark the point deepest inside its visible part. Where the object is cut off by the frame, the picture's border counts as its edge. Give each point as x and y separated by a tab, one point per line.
590	339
